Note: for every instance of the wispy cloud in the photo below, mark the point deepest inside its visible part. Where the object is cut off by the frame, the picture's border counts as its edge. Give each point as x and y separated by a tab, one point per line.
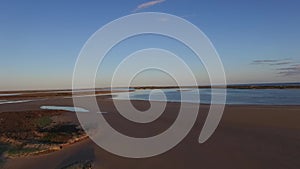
292	70
271	61
283	67
281	63
148	4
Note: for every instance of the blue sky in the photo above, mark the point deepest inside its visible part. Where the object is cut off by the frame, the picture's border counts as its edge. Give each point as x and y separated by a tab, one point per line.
258	41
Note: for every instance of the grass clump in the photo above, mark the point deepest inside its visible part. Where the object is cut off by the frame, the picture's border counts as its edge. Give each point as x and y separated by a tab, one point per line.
43	121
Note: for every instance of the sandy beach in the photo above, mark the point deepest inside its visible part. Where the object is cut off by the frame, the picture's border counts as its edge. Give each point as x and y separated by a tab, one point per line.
248	137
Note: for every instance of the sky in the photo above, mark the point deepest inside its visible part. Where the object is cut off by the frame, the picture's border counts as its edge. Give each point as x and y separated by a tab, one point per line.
257	41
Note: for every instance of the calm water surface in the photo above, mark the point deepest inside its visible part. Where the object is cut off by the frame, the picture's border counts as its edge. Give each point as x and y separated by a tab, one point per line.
234	96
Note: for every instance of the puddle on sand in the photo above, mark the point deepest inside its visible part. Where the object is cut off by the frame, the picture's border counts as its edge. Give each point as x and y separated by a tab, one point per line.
66	108
14	101
9	94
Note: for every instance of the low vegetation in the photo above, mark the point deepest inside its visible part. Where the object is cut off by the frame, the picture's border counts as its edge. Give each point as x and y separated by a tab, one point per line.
19	150
34	132
43	121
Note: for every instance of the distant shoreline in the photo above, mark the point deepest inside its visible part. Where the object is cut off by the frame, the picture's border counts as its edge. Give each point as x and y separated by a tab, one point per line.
295	85
132	88
221	87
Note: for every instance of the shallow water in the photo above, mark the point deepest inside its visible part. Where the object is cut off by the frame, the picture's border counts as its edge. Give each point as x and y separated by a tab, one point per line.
234	96
10	94
66	108
14	101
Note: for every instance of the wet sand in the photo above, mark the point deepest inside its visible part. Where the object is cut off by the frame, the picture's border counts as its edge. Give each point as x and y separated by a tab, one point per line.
248	137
